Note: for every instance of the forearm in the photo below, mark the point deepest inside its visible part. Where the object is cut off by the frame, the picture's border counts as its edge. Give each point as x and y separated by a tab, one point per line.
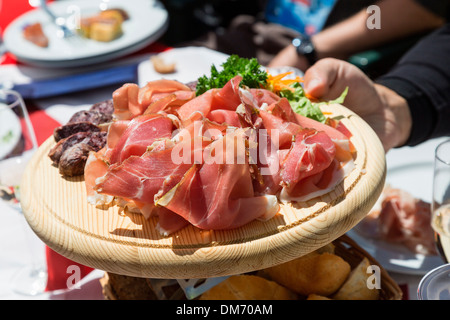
422	78
398	18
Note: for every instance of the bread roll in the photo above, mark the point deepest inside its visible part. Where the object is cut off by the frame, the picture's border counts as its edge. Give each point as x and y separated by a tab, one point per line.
319	273
248	287
355	288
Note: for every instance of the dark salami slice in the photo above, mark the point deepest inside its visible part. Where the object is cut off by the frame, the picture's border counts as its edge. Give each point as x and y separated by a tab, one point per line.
105	107
92	116
96	140
71	128
74	159
79	136
63	144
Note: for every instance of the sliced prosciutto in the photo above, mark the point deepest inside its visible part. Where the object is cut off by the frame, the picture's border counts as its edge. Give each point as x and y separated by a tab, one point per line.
126	103
220	195
130	100
144	178
401	219
311	152
155	90
226	98
140	133
305	148
96	166
169	221
317	184
216	161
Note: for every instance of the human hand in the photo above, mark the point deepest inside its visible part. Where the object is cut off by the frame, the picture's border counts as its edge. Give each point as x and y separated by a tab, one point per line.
383	109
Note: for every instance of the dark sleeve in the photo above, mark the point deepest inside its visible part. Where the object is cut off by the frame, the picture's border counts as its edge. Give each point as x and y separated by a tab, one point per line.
422	77
439	7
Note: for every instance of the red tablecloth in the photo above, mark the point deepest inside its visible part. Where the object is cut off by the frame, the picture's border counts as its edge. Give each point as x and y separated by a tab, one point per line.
59	272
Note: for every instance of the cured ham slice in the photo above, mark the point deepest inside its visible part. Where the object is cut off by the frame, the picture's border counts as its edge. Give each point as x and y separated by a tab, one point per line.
284	130
115	132
401	219
282	109
35	34
200	105
143	178
96	166
311	152
204	207
126	103
338	132
267	173
155	90
140	133
162	104
169	222
201	128
219	195
131	101
318	184
227	117
227	98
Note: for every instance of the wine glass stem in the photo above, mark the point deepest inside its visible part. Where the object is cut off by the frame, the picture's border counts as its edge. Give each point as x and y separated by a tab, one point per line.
28	237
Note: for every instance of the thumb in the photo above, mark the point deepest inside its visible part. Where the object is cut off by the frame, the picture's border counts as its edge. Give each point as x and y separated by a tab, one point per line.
320	79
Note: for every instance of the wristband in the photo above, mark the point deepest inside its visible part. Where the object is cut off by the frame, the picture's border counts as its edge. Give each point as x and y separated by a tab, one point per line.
304	47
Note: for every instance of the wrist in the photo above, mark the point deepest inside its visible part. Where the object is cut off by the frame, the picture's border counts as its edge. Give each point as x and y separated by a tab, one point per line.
301	62
304	47
327	45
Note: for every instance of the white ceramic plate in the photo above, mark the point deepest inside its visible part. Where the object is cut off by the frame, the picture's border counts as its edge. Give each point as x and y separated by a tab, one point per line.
190	64
10	131
148	21
396	258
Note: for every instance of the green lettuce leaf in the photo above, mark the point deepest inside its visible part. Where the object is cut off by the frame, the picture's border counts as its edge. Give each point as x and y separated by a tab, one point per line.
339	100
302	105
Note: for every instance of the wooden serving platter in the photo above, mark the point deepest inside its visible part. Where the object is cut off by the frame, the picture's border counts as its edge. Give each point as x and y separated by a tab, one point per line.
110	239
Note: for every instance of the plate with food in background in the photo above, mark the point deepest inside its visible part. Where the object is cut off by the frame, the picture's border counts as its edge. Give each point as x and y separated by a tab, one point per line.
103	31
398	231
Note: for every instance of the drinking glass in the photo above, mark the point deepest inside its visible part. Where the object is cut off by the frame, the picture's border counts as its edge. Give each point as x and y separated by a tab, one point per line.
17	145
440	206
435	285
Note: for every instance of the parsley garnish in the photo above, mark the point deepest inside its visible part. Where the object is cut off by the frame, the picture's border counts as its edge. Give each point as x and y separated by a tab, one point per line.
253	75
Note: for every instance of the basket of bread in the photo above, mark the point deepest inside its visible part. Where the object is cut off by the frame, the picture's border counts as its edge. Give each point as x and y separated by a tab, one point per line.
341	270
